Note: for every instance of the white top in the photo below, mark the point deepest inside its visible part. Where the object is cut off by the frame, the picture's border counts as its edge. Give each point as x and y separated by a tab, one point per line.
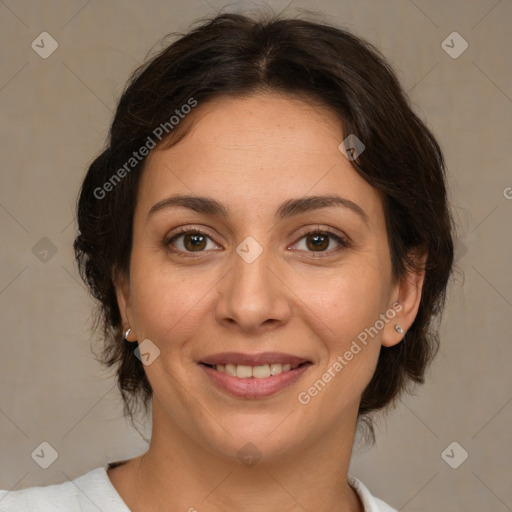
93	492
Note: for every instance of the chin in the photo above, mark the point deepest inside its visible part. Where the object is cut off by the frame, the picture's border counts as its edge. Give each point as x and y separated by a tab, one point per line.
253	438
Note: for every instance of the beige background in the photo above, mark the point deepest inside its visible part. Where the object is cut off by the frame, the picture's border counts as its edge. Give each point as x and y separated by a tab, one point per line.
55	117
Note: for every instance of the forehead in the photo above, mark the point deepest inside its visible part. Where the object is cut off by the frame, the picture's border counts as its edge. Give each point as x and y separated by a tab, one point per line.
257	150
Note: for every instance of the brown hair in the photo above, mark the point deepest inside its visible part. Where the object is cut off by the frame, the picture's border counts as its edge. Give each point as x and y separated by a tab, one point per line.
237	55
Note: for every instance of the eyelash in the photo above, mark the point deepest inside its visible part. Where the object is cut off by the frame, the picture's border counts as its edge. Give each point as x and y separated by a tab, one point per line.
342	241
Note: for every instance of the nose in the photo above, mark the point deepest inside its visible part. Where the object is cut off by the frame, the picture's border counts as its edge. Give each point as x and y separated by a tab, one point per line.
253	297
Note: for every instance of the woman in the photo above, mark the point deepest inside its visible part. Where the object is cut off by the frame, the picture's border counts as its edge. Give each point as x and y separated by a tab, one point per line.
268	237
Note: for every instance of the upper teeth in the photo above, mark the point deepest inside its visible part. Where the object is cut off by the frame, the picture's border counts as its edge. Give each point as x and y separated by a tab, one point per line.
259	372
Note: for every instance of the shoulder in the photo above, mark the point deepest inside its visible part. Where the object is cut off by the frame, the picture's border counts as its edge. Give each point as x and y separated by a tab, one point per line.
87	493
58	497
370	503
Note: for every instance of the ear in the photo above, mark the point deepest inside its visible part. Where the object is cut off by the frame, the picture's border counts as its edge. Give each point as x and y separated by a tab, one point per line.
407	293
123	294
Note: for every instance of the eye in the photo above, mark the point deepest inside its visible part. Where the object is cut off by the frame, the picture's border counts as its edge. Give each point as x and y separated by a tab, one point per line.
189	241
192	240
319	240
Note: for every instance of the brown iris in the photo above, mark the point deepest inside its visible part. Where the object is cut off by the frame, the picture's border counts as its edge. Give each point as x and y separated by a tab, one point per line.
197	241
319	241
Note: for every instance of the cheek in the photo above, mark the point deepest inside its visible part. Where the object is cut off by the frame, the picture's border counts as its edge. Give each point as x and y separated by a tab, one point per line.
345	312
344	316
168	304
346	300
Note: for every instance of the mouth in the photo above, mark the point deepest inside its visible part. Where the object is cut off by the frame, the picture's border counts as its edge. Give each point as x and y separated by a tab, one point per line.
254	376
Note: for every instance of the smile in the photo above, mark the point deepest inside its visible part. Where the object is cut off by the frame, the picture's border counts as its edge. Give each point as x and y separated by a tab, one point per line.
253	375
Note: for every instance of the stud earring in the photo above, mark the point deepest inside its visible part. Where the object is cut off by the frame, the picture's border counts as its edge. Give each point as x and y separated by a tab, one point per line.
127	333
398	328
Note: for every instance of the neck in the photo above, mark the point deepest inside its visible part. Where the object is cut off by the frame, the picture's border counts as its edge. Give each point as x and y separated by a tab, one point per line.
182	475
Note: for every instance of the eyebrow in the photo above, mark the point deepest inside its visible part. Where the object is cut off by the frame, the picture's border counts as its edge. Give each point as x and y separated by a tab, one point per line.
286	209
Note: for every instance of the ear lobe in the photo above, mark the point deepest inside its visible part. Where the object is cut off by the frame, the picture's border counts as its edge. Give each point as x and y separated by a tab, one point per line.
408	294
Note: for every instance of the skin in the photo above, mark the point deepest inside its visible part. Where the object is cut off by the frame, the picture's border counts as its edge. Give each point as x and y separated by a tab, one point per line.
251	154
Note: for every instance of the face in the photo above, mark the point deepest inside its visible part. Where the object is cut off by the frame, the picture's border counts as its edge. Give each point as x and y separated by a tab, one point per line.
259	277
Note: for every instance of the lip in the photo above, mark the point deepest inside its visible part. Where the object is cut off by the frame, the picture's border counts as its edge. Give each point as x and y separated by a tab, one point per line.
253	388
253	359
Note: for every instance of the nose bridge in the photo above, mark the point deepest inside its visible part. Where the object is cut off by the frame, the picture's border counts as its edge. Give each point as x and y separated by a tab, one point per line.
251	294
251	265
